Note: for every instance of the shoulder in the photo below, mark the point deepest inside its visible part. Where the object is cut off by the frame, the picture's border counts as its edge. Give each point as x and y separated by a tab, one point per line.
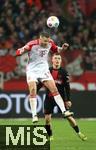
33	42
54	47
50	68
51	41
64	71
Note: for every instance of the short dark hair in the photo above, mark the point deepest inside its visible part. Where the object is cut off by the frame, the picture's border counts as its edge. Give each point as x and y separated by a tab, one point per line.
45	34
56	54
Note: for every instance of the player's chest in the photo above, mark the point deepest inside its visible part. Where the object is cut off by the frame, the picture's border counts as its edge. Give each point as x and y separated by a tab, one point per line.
40	51
57	76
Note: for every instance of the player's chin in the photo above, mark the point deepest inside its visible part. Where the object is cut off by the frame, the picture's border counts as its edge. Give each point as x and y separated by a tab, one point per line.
57	63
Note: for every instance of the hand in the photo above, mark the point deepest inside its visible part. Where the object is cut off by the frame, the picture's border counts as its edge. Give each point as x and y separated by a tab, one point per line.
19	51
65	46
68	104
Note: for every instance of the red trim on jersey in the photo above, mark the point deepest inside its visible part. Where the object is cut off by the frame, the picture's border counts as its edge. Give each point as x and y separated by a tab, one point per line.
18	52
33	42
54	74
29	45
54	47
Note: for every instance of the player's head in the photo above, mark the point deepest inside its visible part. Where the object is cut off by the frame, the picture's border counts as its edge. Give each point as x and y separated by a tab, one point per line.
44	38
56	60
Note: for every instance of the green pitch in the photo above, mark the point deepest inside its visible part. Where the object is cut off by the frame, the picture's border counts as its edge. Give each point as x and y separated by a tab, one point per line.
64	137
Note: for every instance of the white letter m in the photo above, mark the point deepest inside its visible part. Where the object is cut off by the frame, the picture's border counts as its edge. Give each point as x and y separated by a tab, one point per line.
9	134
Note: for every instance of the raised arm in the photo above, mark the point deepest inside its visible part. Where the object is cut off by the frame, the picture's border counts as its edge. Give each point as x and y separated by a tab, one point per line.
23	49
64	47
27	47
55	48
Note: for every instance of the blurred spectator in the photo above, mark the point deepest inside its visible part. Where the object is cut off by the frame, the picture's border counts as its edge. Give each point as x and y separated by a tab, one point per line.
21	21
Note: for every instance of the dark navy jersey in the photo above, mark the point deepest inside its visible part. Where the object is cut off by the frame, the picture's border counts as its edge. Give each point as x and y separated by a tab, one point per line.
61	79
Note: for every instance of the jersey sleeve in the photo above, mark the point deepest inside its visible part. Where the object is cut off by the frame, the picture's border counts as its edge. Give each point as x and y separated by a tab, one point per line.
66	84
54	47
31	43
26	48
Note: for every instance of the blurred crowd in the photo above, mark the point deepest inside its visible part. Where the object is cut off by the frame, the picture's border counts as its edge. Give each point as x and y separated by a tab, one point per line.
22	20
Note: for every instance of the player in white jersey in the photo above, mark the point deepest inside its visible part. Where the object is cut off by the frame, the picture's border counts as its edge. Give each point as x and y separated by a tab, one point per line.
38	70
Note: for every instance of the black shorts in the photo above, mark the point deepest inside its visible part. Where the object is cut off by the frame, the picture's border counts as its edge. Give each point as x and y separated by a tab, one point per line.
49	105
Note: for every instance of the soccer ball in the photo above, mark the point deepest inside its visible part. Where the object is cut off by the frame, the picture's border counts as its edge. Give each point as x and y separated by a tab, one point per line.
53	22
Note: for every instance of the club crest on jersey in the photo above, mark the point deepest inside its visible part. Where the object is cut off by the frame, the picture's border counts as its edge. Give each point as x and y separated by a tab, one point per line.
42	52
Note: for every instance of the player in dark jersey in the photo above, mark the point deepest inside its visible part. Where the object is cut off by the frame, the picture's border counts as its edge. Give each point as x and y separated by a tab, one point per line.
61	79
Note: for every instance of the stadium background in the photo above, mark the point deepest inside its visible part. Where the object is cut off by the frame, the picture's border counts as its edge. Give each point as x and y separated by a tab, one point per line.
23	20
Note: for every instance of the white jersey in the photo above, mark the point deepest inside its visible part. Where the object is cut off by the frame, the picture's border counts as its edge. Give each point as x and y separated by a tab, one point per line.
38	68
38	56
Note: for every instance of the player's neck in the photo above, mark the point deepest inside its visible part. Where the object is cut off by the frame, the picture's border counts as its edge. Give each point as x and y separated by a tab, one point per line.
56	66
44	45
